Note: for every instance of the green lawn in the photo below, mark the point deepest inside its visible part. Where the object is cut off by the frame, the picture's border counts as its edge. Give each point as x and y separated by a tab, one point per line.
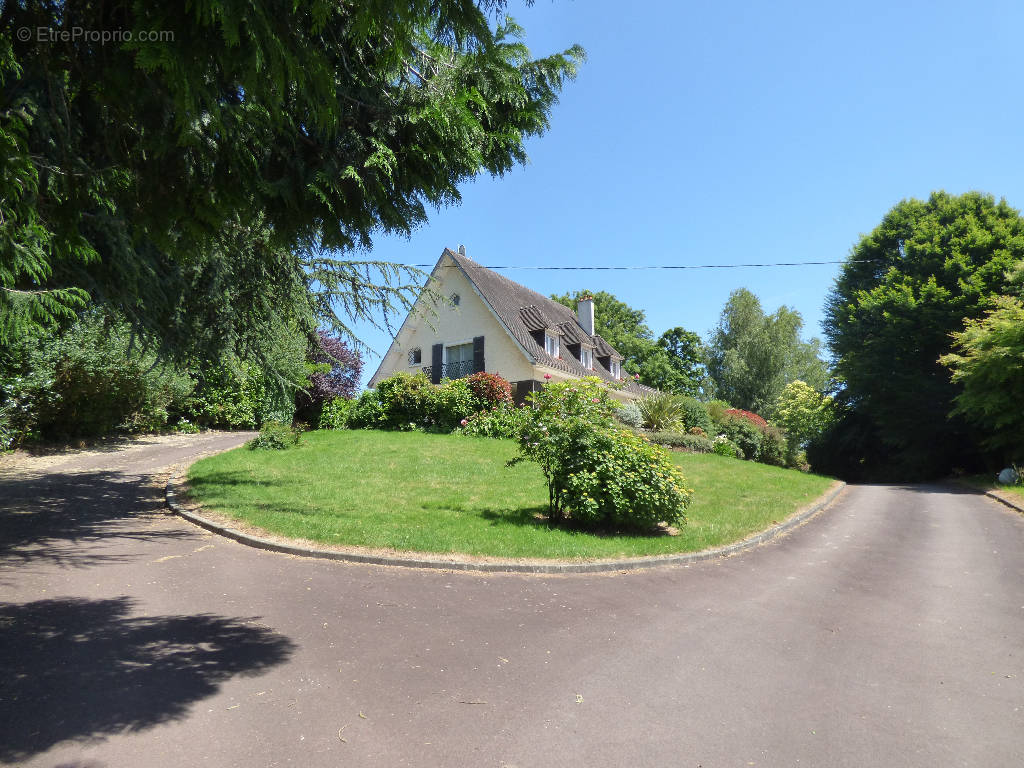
448	493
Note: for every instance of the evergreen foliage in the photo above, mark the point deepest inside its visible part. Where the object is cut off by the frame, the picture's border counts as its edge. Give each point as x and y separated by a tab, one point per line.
213	184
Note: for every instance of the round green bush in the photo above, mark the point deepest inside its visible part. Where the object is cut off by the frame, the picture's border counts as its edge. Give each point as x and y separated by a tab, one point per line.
694	415
275	436
599	475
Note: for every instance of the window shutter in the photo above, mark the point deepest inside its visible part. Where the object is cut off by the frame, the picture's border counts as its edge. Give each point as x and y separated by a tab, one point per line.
436	362
478	354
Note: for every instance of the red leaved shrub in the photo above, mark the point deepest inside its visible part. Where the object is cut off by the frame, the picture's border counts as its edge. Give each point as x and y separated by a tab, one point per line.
750	416
490	389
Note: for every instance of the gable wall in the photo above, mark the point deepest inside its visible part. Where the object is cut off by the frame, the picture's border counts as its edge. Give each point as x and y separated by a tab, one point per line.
455	325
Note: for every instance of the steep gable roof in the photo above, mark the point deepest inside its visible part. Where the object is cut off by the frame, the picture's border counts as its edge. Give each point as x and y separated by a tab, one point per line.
524	312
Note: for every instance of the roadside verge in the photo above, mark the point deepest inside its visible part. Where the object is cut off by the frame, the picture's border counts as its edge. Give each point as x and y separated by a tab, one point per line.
1013	502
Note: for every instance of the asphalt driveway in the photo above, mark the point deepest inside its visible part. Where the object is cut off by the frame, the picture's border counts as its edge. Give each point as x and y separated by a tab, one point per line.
889	630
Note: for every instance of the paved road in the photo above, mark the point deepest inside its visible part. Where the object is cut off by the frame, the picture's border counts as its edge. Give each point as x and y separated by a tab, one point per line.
888	631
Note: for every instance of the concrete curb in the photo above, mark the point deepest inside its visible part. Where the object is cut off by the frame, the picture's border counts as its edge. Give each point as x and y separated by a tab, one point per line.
1011	502
601	566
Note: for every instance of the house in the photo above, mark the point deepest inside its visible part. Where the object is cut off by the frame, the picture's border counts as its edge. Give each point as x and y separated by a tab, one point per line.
496	325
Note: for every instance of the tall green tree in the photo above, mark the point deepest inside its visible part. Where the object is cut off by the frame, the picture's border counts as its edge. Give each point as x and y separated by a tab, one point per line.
245	153
752	355
905	289
672	363
989	366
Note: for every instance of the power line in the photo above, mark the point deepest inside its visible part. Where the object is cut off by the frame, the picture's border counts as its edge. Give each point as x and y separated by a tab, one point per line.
664	266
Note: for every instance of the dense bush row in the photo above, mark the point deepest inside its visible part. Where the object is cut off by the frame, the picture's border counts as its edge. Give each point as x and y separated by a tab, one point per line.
688	424
409	401
96	378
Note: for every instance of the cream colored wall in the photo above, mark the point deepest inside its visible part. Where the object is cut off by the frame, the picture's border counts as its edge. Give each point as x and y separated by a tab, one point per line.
455	325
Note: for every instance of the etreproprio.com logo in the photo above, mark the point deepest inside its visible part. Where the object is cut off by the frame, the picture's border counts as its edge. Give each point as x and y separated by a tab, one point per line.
101	36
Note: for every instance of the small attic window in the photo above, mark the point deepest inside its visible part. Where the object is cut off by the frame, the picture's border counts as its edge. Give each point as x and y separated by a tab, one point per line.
615	371
415	356
551	344
587	358
455	298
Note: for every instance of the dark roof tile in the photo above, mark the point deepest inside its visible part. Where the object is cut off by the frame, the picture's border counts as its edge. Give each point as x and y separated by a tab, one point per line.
523	312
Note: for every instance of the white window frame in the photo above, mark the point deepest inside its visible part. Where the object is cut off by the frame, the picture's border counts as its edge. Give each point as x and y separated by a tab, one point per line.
587	358
551	345
615	371
444	348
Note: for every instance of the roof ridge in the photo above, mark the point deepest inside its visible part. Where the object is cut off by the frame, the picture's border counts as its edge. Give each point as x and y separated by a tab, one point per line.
465	261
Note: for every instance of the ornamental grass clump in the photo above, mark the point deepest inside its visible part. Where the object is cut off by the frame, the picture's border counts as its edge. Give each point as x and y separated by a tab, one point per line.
598	475
662	412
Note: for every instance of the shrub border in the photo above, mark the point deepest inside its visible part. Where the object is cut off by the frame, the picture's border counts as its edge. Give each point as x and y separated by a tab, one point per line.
177	482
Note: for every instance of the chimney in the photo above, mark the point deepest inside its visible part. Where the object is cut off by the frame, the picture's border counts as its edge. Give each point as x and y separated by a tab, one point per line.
585	313
462	250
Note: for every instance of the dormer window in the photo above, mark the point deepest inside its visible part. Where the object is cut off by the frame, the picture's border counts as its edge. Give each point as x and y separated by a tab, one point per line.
551	344
615	370
587	358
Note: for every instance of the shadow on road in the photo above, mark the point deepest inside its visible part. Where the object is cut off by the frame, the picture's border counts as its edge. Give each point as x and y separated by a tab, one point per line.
65	520
82	669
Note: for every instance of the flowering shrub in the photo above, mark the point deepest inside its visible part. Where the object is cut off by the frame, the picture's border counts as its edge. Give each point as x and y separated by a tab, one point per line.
490	389
743	432
598	475
698	431
504	421
723	446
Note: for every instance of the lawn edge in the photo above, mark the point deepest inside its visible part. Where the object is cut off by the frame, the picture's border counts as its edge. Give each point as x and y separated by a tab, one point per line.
177	483
1009	500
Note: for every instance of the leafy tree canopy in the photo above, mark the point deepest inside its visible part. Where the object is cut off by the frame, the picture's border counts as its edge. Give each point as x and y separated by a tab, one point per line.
802	412
752	355
672	363
907	286
203	184
989	365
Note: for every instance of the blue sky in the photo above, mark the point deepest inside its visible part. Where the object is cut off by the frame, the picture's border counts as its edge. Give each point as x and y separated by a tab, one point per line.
734	132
